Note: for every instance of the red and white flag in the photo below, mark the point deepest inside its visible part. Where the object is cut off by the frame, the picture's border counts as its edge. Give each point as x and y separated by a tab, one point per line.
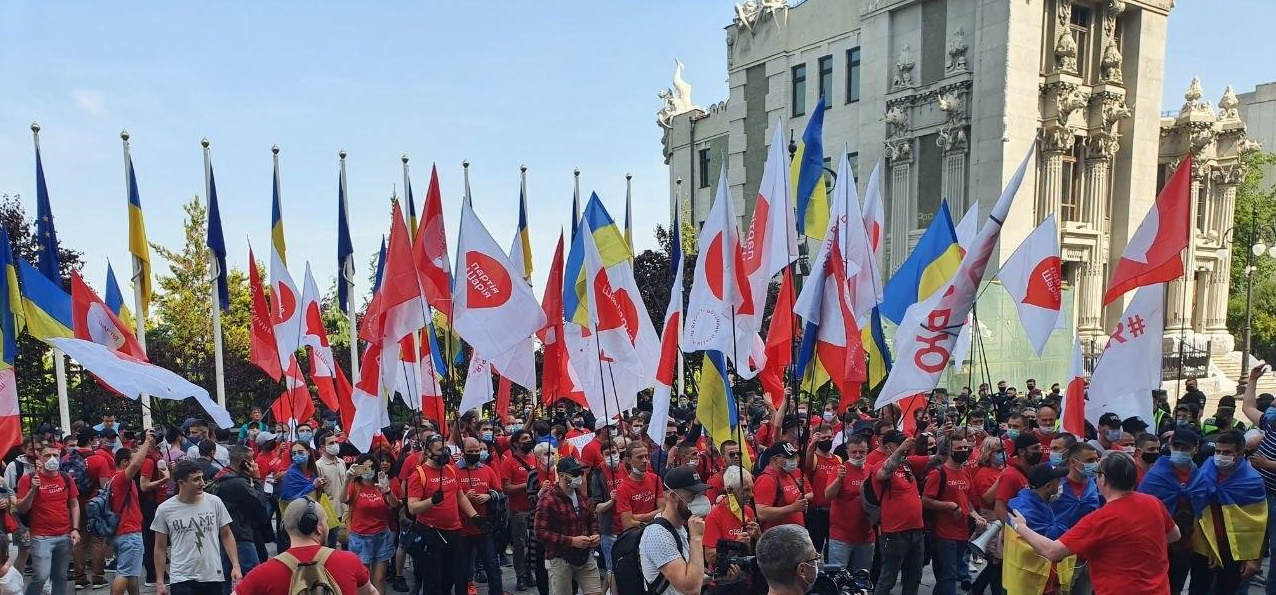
370	414
557	375
770	244
610	335
263	350
285	313
966	230
429	248
875	220
925	339
670	332
494	309
92	320
397	309
314	336
1154	252
10	419
1130	367
779	342
863	289
1072	411
1034	279
721	296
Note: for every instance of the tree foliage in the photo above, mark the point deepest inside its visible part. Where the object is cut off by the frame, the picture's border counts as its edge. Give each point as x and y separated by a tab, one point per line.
1255	195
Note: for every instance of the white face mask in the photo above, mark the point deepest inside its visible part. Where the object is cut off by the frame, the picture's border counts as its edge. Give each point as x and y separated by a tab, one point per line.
332	449
576	481
1224	460
700	506
613	461
52	465
857	461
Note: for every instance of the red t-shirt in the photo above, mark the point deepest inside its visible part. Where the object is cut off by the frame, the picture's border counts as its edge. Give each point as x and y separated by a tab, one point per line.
763	435
49	515
482	480
847	521
515	469
1012	480
1124	542
982	479
446	514
369	512
577	433
124	502
957	489
150	472
273	578
724	524
824	472
592	454
273	462
716	488
98	470
901	503
774	490
874	458
635	497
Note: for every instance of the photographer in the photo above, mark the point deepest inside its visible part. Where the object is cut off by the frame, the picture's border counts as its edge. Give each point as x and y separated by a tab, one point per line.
730	532
788	560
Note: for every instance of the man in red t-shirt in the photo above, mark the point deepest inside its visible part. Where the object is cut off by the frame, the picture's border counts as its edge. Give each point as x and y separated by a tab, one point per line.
640	496
1124	541
821	464
850	535
99	468
902	543
46	497
480	483
434	497
515	471
274	576
730	458
947	496
776	492
129	549
1015	476
731	518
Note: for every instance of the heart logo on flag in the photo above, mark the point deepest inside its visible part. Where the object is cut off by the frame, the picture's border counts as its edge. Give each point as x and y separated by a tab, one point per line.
713	266
285	301
1045	288
101	329
488	283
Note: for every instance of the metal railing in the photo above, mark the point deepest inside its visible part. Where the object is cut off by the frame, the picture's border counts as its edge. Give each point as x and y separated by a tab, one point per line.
1185	362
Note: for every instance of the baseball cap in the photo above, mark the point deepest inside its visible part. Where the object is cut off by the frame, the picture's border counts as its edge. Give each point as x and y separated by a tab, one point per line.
893	437
603	422
569	465
782	449
1186	437
264	437
1042	474
1134	425
1110	420
1025	440
862	427
684	478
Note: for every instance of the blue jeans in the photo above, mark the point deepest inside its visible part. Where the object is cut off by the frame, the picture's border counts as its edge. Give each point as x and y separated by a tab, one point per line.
248	560
948	562
49	557
1271	543
851	556
480	550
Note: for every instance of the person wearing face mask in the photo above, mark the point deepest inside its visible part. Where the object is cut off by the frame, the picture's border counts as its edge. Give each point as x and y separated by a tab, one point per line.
1015	425
516	470
1015	476
603	482
1177	482
438	504
200	433
238	489
1260	412
1234	521
1147	449
1059	449
850	535
568	530
308	536
1224	419
332	469
673	552
947	494
638	497
901	540
480	483
1124	541
788	560
778	491
1108	433
1047	418
591	455
732	518
1029	574
1184	417
984	481
821	464
1079	495
50	500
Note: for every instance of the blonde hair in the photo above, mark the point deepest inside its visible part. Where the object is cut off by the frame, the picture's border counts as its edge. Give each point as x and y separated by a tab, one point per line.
986	450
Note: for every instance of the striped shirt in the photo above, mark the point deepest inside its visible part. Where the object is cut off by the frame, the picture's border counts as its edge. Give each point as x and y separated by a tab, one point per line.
1267	448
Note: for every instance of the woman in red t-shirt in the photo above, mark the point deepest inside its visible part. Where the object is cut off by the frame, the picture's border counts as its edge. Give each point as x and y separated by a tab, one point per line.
371	500
983	483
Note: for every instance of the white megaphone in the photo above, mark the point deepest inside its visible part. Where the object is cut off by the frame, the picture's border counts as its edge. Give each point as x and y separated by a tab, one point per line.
980	544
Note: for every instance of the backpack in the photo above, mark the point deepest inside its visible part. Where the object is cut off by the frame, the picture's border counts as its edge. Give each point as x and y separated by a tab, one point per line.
871	501
101	519
310	578
77	467
626	558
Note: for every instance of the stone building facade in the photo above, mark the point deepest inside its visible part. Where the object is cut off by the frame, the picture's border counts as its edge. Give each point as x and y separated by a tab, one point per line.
947	95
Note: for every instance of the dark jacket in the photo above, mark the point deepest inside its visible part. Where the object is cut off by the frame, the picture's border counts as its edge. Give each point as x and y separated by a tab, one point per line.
247	505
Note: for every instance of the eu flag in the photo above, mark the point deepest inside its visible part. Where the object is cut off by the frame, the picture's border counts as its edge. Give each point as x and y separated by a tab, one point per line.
48	259
217	243
345	249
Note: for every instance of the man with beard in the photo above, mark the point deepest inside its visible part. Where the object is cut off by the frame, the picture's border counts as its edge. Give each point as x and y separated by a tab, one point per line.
1015	476
516	470
947	494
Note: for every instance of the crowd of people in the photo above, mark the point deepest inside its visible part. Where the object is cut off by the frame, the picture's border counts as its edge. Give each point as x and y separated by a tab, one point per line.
580	502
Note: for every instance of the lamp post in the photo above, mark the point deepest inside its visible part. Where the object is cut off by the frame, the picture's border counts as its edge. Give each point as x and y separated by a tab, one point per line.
1257	250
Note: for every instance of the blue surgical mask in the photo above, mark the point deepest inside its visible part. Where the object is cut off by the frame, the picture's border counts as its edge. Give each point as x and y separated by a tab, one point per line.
300	458
1180	458
1090	469
1056	459
1012	433
790	465
483	456
515	427
1224	461
1112	435
1182	423
487	436
1269	416
999	458
305	436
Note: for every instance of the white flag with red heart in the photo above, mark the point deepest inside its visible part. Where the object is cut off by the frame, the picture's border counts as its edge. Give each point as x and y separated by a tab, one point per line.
1033	277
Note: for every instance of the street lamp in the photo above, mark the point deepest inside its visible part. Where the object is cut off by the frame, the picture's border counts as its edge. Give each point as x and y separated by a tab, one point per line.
1257	250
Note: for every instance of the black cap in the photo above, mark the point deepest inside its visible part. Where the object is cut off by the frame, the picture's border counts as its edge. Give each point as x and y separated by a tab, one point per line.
1110	420
684	478
782	449
862	427
790	421
1134	425
1025	440
329	414
1042	474
109	433
1185	437
569	465
893	437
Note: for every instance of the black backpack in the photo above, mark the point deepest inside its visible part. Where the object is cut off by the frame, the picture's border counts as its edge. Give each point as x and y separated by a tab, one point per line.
626	559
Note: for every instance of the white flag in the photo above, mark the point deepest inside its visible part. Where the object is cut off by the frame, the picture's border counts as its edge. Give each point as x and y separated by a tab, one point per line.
875	222
1033	278
1130	367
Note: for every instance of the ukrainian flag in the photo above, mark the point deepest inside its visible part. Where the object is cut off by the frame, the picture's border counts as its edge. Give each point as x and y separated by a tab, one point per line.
931	265
412	220
879	355
611	246
46	306
277	221
524	239
1243	503
807	173
115	299
717	409
1023	571
10	302
137	245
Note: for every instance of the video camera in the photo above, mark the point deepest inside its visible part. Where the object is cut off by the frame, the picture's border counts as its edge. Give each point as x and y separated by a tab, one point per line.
733	552
835	580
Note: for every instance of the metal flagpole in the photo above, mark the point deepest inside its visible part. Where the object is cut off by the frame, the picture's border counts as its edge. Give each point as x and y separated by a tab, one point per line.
347	277
59	360
465	166
216	297
138	272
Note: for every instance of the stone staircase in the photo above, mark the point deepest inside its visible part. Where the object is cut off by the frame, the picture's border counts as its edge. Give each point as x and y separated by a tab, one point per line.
1225	371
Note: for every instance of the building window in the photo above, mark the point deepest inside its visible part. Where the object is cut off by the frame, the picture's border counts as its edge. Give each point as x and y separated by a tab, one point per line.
930	188
934	40
1071	180
798	98
852	75
854	160
826	80
703	164
1080	29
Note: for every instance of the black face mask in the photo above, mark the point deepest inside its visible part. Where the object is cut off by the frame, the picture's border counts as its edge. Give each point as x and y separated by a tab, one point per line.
961	457
670	441
526	447
441	458
1150	457
471	459
1031	458
824	445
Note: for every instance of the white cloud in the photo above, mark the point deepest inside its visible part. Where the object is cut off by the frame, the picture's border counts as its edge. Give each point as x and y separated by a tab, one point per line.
89	100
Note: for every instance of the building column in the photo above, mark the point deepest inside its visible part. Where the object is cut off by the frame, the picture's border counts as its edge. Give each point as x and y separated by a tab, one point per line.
1048	200
901	206
954	181
1090	280
1220	278
1098	183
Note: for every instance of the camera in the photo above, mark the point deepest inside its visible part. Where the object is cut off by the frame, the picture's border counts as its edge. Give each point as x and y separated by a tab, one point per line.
733	552
835	580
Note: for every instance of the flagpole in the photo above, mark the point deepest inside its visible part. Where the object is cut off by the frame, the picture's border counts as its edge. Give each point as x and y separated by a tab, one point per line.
465	167
348	279
677	237
220	365
416	335
59	363
138	272
629	212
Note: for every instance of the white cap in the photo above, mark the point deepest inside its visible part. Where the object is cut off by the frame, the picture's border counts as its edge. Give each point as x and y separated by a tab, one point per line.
603	422
264	437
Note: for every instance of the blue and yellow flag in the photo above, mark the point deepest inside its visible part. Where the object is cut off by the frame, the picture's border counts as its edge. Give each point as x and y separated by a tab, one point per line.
216	243
717	409
46	306
10	302
612	247
1162	482
879	354
807	172
277	219
1023	571
46	240
114	299
137	244
928	269
1243	503
521	251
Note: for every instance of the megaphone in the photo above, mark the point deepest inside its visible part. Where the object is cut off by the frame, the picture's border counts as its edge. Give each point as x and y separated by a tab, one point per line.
980	544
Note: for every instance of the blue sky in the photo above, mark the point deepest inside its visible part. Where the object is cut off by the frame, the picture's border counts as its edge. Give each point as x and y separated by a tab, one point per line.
554	85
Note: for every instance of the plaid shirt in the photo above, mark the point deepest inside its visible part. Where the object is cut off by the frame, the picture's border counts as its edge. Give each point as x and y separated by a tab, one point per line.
558	521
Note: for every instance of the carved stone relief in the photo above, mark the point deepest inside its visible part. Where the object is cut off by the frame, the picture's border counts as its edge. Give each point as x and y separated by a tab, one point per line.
956	52
904	69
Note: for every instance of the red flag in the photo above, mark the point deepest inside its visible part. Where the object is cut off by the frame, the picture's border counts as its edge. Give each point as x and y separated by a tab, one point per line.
345	402
779	342
503	389
295	403
1073	414
263	351
10	420
430	250
397	309
1154	252
94	321
907	408
551	336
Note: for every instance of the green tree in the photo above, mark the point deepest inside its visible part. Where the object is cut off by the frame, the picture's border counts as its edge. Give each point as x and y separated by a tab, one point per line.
1255	195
